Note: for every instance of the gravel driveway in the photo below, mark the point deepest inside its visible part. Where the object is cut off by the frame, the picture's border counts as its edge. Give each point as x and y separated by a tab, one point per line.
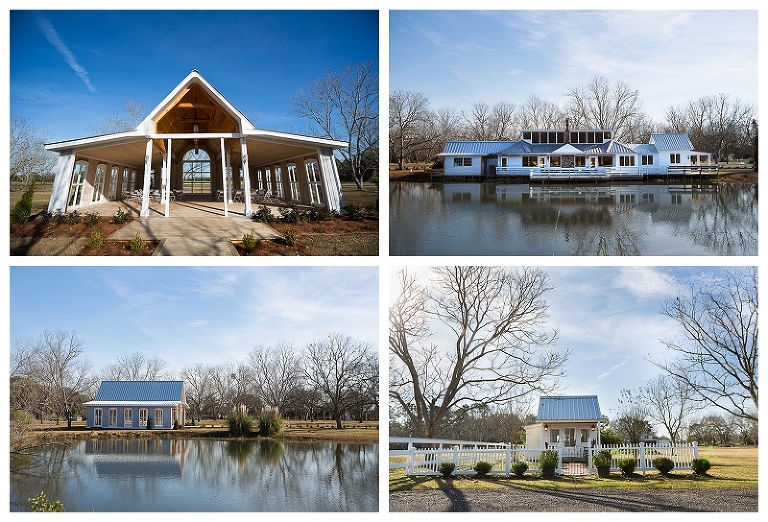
575	500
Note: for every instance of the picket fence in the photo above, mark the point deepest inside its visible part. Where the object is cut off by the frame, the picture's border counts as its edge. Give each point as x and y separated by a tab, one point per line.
424	456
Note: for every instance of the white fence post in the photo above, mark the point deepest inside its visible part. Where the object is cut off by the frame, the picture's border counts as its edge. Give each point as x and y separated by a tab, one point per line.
508	460
695	450
455	459
560	450
642	457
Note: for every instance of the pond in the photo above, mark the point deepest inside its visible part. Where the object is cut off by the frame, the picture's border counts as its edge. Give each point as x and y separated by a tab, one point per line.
188	475
592	219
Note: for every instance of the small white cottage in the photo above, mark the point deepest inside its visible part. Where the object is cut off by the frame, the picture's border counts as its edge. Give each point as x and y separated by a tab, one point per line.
571	421
137	405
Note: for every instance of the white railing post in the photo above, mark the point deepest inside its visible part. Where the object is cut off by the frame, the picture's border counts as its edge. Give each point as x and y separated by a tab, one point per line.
411	459
695	450
642	457
560	449
589	458
508	460
455	458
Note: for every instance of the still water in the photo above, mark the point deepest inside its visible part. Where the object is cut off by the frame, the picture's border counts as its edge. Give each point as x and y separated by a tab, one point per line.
594	219
200	475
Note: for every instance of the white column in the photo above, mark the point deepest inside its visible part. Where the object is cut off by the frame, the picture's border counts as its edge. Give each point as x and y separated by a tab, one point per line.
246	178
224	179
147	174
167	184
329	176
230	177
64	169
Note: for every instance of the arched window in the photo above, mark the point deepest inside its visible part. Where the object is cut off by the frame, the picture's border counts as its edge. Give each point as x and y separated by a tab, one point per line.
293	182
196	172
126	181
278	181
267	179
313	178
76	187
113	182
98	182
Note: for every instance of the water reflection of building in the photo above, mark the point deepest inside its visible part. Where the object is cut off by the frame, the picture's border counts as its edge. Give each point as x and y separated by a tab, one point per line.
151	457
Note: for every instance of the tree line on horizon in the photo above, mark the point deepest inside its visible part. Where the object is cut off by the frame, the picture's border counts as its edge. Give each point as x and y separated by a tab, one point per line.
718	123
333	378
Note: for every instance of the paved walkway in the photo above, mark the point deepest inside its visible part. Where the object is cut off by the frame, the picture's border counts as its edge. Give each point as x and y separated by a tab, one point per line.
192	229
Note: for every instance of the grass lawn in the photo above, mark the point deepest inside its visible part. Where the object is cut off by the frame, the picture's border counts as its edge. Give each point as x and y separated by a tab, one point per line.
731	468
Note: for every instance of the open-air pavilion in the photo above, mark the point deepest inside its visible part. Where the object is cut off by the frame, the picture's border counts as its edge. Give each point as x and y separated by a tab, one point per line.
196	146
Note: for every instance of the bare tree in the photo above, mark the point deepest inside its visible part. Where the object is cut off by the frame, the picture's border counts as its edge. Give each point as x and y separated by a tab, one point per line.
276	372
600	106
28	158
536	113
197	381
345	106
339	368
58	367
717	355
128	118
496	352
138	367
408	114
477	122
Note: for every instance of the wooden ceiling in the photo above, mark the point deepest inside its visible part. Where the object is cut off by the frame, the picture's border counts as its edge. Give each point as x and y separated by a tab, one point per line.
195	107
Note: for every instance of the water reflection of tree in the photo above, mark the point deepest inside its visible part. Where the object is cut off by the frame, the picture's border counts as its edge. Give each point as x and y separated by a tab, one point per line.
729	226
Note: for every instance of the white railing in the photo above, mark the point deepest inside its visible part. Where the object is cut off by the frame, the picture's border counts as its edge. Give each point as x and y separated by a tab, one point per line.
425	456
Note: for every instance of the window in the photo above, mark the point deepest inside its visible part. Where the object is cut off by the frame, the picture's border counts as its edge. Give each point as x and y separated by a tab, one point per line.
78	180
626	161
529	161
579	161
293	182
503	162
196	172
674	158
570	437
527	135
97	417
113	182
278	181
128	418
647	159
605	161
315	187
126	180
142	417
555	161
462	162
554	436
677	199
98	182
158	418
260	179
113	417
584	435
627	198
268	179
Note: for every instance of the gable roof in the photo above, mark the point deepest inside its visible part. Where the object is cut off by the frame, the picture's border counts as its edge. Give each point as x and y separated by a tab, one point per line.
473	148
572	407
140	391
671	141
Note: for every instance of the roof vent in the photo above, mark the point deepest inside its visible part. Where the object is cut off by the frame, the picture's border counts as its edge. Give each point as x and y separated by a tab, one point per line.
195	71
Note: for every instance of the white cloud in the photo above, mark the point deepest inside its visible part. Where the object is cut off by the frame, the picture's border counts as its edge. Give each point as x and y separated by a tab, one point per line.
53	38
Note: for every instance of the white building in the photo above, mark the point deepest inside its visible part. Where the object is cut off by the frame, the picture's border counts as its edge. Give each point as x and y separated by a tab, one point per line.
575	154
570	421
197	144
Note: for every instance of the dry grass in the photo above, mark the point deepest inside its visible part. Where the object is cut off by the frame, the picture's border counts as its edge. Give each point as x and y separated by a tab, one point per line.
731	468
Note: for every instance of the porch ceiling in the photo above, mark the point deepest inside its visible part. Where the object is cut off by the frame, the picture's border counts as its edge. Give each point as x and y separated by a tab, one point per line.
262	152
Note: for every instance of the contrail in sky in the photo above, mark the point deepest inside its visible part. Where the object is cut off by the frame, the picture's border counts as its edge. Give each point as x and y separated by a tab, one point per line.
53	37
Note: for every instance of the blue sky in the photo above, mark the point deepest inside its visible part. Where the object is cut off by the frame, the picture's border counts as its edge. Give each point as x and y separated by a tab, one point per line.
610	318
69	70
457	58
189	315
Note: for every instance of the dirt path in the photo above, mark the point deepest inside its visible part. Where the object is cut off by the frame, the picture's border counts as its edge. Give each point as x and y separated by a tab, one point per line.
707	500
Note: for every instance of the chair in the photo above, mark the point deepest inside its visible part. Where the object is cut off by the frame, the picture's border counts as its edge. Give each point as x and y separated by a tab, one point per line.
267	196
238	196
219	195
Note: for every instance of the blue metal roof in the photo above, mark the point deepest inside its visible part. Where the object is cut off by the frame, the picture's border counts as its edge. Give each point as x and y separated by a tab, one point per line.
474	148
577	407
671	141
136	391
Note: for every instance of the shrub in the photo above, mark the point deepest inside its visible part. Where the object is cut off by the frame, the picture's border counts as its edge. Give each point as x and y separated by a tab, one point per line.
92	218
263	215
72	218
602	459
355	212
291	214
663	464
137	244
41	504
121	216
290	237
446	469
482	468
22	210
627	465
700	466
319	214
548	459
96	239
519	468
270	422
240	424
249	243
